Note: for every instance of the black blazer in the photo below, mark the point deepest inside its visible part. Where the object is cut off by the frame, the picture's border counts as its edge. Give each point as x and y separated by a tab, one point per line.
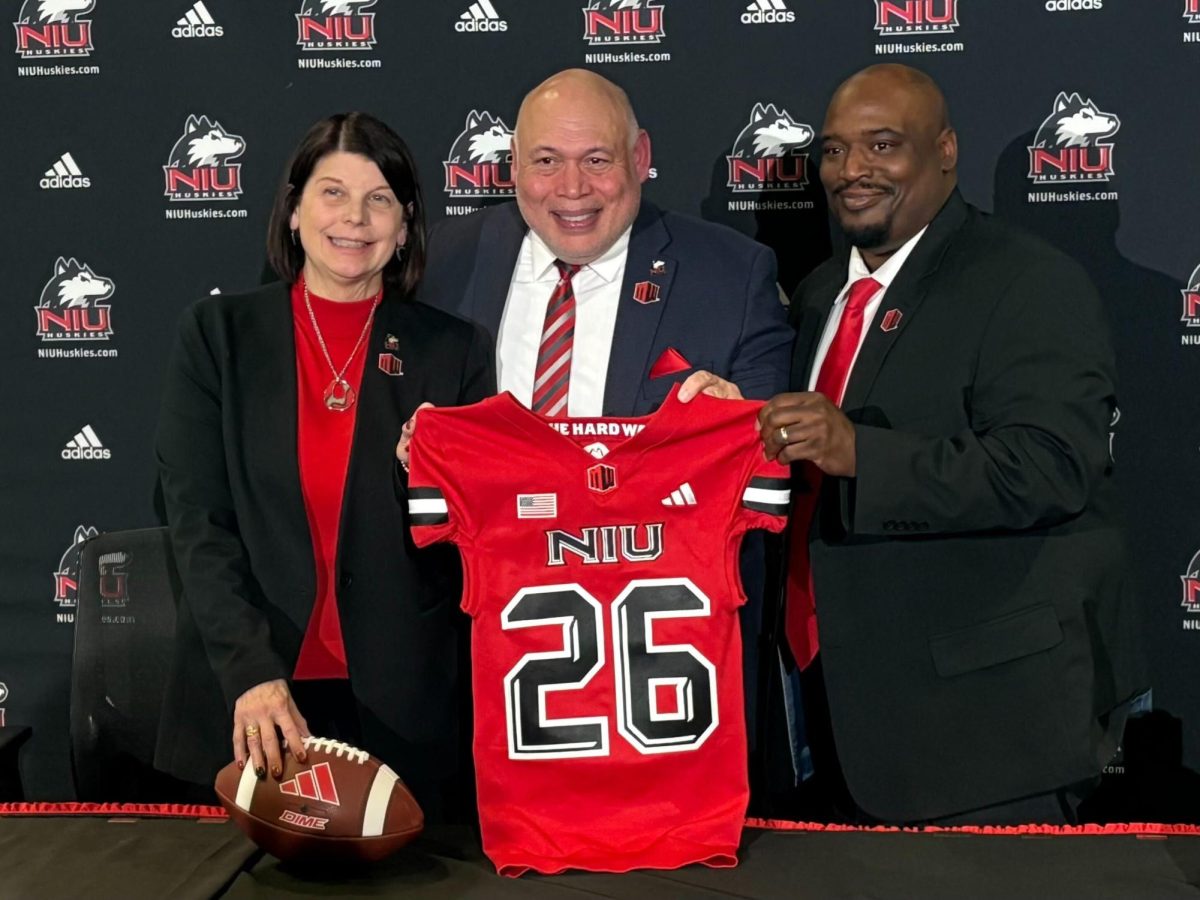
226	447
718	303
976	628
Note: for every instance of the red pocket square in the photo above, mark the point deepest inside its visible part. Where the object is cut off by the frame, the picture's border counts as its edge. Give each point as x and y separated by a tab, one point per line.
669	363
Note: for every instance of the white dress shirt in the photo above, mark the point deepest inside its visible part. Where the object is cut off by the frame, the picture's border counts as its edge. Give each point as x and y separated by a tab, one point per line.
597	289
857	269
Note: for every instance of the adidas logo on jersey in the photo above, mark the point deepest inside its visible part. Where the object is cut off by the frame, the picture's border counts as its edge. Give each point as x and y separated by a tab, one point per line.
481	16
197	22
86	445
763	12
681	496
64	174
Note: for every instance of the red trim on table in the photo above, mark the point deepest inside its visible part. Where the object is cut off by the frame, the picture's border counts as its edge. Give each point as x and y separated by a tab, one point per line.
1148	829
169	810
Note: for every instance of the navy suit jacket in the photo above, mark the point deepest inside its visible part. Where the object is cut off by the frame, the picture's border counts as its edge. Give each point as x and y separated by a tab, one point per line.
977	631
718	303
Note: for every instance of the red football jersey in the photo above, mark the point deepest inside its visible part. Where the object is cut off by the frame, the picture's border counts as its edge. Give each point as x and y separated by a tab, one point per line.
601	574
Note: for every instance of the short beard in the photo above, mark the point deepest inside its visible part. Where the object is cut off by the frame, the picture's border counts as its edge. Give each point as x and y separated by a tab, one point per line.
869	236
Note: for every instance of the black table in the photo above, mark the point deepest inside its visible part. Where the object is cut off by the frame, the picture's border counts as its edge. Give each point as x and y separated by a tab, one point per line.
48	857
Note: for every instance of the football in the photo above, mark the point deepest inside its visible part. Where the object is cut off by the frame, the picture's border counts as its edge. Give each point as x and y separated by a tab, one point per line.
342	804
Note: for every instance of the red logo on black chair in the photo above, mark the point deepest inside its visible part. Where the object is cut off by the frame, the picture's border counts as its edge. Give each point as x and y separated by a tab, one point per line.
602	478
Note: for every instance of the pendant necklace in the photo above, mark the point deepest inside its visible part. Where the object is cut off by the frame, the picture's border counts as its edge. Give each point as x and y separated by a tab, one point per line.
339	396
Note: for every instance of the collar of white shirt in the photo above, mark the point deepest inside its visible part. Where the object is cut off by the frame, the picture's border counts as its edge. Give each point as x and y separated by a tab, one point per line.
541	260
885	273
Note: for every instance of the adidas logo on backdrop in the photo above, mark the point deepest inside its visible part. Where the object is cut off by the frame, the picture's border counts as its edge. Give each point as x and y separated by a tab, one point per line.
481	16
764	12
64	174
197	23
86	445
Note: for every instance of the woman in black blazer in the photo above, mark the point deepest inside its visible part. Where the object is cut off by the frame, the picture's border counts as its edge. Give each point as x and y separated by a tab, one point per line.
306	608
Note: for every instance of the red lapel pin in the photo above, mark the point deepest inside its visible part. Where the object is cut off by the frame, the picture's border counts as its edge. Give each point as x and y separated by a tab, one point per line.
891	320
645	292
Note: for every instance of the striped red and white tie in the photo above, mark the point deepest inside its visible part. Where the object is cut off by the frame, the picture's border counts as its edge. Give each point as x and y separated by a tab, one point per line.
552	377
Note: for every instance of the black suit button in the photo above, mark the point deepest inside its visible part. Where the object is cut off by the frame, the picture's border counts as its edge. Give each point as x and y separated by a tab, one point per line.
889	525
346	580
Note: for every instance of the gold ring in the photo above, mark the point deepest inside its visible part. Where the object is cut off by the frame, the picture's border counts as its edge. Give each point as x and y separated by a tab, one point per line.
251	731
783	433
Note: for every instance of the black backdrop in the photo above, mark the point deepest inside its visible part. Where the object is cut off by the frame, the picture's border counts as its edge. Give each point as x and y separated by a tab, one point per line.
95	100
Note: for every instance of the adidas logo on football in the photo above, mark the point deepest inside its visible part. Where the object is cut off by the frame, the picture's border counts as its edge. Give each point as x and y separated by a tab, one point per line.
85	445
481	16
763	12
313	784
197	23
64	174
681	496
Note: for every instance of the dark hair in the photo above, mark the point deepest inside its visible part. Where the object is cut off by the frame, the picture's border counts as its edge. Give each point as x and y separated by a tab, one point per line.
353	132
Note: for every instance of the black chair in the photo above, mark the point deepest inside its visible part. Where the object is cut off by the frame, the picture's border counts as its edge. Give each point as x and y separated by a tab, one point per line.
11	740
124	635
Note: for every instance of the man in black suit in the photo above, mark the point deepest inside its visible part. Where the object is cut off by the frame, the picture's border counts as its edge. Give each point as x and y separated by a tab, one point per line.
948	419
659	296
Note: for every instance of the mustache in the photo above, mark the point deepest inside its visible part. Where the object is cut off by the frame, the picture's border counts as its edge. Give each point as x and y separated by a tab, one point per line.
865	185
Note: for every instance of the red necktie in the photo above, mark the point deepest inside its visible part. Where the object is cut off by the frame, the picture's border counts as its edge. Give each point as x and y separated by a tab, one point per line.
800	619
552	377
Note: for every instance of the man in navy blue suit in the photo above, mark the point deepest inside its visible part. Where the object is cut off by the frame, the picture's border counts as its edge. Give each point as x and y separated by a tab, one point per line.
659	297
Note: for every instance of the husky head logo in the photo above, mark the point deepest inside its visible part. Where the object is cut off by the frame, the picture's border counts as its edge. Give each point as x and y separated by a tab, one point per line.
74	285
1191	585
1191	301
771	131
47	11
334	7
205	143
1075	122
66	579
615	4
484	139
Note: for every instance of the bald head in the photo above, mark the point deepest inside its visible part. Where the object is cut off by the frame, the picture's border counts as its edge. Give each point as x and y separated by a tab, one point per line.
579	160
582	90
921	90
889	157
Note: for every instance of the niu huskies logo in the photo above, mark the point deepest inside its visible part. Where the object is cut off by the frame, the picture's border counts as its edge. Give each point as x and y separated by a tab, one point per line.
71	307
114	579
916	16
313	784
1191	11
199	168
1068	147
335	25
1191	585
1191	299
623	22
602	478
767	155
53	28
66	579
480	161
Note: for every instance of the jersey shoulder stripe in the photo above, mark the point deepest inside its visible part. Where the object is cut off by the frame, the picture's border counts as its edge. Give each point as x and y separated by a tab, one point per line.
767	495
427	506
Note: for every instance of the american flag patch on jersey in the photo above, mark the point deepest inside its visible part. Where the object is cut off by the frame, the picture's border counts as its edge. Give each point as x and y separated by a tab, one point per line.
768	495
427	506
537	506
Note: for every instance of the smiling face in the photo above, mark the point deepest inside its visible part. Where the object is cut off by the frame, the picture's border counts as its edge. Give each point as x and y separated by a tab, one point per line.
888	158
578	172
350	224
